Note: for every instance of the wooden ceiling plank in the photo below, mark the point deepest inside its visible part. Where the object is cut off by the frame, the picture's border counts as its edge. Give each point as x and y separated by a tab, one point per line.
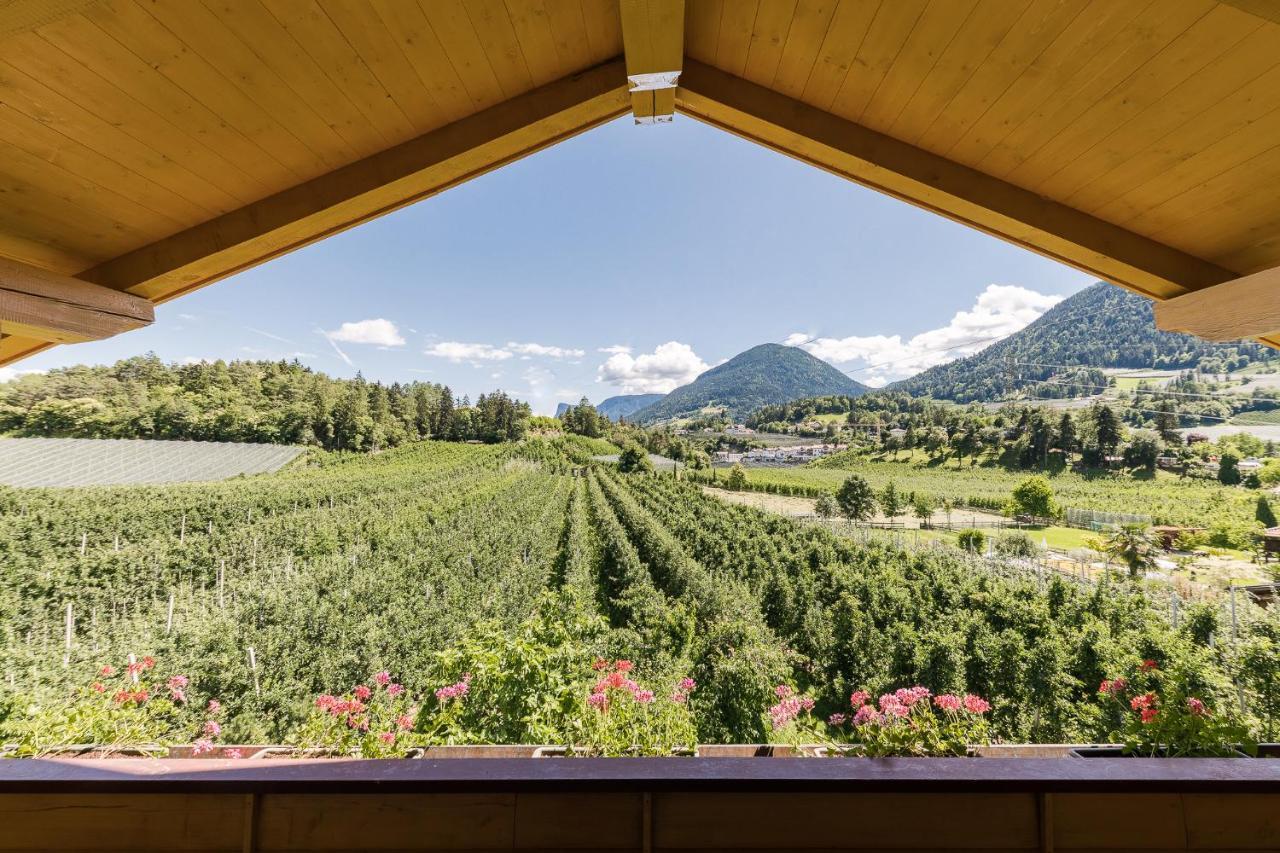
768	38
377	48
604	29
886	40
1267	10
1157	85
167	55
702	29
449	21
809	25
946	187
936	30
50	146
1033	31
737	22
278	51
36	303
1243	308
1069	60
320	38
424	52
501	47
569	30
537	43
51	110
34	250
1243	106
208	35
1238	218
108	103
1261	255
366	189
86	217
840	45
979	35
15	348
91	46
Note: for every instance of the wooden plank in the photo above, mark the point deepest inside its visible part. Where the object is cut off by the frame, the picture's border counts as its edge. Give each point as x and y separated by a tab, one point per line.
1239	822
702	29
578	821
782	821
948	188
604	29
808	29
840	46
41	305
370	187
449	21
492	24
768	38
653	43
1244	308
418	42
15	348
1118	822
387	822
885	41
83	822
1268	10
537	43
737	22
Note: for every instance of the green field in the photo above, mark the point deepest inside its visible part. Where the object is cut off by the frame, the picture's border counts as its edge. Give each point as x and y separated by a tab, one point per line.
513	568
1167	499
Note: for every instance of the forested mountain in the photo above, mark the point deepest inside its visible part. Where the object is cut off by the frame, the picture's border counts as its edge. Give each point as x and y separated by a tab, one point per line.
621	406
763	375
1101	326
626	405
251	401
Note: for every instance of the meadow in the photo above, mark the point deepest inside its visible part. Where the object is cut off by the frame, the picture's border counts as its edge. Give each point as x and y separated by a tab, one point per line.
500	576
1166	498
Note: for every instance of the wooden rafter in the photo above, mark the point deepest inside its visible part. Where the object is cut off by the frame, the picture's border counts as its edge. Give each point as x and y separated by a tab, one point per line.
1244	308
46	307
927	180
653	40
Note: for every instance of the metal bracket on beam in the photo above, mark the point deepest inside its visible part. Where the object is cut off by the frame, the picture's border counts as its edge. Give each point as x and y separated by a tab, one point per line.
653	82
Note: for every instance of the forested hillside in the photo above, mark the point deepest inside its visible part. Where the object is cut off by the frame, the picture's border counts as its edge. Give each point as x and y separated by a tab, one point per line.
512	572
249	401
1101	326
763	375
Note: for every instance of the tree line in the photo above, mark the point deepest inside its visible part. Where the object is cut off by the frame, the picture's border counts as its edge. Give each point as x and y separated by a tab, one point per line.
274	402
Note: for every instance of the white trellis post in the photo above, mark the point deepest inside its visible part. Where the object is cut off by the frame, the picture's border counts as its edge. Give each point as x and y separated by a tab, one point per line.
66	655
84	542
222	573
182	530
253	667
168	625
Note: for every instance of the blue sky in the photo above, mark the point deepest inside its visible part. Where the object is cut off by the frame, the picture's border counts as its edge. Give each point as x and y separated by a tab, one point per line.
624	260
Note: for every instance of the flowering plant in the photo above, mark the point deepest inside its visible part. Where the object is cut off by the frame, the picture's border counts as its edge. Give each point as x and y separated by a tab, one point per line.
912	721
622	717
1162	717
122	707
370	721
790	717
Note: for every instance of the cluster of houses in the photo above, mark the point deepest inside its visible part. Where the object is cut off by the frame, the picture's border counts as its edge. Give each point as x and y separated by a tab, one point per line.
794	455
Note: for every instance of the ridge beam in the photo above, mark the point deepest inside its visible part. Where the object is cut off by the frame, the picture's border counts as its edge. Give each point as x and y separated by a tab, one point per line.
653	41
45	306
1247	307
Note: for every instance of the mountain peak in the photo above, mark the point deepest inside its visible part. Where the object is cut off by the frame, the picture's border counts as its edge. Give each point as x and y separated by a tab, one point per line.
763	375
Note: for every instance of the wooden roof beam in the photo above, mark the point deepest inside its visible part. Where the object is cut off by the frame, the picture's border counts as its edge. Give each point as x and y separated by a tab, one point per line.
1247	307
953	190
371	187
653	41
45	307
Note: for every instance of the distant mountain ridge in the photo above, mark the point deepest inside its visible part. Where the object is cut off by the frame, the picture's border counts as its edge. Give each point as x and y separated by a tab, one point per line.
621	406
1101	326
763	375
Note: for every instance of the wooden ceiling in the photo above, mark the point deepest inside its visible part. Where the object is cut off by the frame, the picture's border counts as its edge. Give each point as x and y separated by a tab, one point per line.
154	146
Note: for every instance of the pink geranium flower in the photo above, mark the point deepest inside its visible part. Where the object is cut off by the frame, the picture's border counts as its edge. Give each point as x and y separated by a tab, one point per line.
383	678
212	728
976	704
948	702
394	690
202	746
362	692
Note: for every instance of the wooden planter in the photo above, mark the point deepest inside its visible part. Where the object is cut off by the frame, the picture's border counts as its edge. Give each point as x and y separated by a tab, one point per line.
643	804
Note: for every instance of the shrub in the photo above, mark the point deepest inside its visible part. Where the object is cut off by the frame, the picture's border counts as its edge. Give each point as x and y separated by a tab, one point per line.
972	540
1016	545
624	718
737	480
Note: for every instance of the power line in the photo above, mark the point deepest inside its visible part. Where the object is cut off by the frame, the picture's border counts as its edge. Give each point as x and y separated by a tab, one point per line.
1123	404
1135	390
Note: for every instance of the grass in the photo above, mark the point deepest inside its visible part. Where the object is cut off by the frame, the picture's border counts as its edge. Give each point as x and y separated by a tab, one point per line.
1258	418
1165	497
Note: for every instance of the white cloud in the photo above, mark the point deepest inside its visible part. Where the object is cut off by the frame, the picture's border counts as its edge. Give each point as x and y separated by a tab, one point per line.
9	373
544	350
616	349
999	311
459	351
379	332
669	366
